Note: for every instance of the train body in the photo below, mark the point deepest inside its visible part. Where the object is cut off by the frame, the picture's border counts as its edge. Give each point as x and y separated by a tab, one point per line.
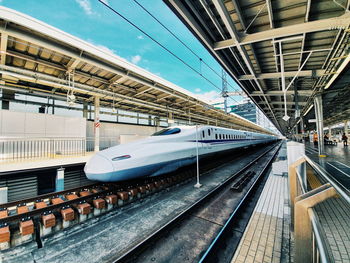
166	151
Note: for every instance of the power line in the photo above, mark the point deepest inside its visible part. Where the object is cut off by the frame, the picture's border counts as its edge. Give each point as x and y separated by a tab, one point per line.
160	44
183	43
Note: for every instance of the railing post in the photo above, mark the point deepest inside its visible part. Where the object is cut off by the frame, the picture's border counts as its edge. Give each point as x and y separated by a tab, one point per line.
293	183
302	224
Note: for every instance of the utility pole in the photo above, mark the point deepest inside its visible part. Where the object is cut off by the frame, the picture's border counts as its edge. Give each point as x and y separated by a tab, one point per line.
224	89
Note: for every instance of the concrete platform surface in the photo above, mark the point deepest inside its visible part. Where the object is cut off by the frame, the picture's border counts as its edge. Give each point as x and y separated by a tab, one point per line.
267	236
336	162
28	164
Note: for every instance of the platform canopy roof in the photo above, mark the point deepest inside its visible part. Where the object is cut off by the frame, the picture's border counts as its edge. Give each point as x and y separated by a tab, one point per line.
39	58
282	53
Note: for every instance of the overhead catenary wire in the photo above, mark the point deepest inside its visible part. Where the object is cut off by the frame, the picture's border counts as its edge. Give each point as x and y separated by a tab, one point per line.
183	43
160	44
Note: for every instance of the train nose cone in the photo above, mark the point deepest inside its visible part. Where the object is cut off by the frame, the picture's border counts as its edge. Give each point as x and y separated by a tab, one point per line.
98	168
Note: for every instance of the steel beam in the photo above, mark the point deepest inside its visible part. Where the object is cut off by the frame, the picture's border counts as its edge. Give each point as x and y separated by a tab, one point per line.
3	48
220	7
319	123
308	27
287	74
288	103
280	93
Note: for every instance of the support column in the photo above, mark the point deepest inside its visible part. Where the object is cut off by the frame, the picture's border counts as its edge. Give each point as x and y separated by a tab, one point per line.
85	109
97	123
302	128
319	123
3	195
53	106
346	127
60	179
7	95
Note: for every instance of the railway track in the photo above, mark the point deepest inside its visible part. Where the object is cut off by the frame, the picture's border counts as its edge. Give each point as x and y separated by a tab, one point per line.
184	234
42	215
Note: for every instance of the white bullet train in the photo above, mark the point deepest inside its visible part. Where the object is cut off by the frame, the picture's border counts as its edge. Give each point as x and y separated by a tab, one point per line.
166	151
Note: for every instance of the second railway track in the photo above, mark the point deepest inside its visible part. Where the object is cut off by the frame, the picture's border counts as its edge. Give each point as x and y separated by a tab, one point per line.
189	235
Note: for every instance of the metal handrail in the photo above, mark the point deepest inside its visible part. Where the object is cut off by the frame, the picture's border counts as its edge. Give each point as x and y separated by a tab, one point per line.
324	254
328	178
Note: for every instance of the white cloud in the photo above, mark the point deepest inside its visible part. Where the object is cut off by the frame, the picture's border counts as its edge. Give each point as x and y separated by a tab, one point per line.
197	90
86	6
106	49
210	96
136	59
140	37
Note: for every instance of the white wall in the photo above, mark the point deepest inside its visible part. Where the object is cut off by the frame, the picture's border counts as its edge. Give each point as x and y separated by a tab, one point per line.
29	125
120	132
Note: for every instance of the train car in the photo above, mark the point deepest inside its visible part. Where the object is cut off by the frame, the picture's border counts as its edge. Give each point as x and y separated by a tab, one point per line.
166	151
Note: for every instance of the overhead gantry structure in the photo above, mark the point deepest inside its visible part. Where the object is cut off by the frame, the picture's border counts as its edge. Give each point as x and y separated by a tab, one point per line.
283	54
41	60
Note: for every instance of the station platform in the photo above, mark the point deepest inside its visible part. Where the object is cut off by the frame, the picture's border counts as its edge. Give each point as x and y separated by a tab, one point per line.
267	237
20	165
336	162
270	235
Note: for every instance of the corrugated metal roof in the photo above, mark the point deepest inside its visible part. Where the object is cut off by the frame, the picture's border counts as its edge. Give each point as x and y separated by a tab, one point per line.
39	57
270	45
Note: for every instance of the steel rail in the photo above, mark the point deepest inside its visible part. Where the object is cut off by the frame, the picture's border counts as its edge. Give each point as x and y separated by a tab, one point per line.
45	196
218	239
140	246
112	188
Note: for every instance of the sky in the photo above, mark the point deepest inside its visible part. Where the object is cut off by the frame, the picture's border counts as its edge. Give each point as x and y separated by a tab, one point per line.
91	21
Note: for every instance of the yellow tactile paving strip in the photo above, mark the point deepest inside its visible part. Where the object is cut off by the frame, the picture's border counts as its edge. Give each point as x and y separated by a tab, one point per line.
312	179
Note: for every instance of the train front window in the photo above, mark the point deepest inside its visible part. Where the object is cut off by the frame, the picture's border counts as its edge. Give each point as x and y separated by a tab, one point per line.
168	131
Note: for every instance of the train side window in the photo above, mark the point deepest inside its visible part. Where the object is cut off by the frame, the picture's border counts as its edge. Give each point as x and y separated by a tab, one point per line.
203	133
220	136
208	132
216	136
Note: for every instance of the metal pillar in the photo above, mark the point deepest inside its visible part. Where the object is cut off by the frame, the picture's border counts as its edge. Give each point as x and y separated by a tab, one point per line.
346	127
302	128
7	95
53	106
60	179
3	195
296	100
319	123
97	124
197	185
90	111
85	109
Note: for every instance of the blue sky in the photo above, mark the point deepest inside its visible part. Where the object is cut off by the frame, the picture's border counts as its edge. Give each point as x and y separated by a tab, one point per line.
93	22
